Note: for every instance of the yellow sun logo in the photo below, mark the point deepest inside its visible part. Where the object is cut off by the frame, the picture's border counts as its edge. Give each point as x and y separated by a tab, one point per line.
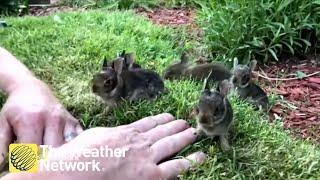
23	158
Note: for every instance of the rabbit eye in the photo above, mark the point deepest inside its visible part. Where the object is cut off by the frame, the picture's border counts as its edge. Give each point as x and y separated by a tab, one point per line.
107	82
196	110
234	80
246	78
169	73
94	88
219	110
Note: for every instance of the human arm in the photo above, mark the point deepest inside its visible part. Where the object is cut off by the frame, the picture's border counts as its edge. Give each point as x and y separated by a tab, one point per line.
31	113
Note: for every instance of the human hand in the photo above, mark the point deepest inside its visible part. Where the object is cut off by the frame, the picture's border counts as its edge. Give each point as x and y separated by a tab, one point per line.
32	114
149	143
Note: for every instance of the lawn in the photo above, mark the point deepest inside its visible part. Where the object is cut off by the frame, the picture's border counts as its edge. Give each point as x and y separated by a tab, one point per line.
66	49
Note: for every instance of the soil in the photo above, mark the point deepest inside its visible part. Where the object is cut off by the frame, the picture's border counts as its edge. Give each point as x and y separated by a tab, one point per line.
171	17
45	11
300	107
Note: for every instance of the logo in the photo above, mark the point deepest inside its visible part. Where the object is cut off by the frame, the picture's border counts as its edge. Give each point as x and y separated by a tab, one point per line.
33	158
23	158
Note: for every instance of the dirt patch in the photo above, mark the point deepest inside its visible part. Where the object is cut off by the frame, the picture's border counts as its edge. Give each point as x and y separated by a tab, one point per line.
172	17
300	108
45	11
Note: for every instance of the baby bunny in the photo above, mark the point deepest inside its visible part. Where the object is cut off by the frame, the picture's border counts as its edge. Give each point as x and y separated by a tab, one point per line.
246	88
214	113
108	83
183	69
142	84
114	83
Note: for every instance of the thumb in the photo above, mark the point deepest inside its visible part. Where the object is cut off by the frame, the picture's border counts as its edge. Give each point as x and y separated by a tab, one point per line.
5	140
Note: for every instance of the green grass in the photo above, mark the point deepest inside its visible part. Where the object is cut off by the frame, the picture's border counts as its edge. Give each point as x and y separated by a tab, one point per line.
66	50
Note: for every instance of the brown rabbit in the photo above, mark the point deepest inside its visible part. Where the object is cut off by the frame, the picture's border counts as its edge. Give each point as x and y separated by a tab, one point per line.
114	83
246	88
214	113
183	69
108	83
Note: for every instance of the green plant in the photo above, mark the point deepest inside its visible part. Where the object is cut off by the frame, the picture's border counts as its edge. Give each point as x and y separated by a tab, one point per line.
260	30
13	7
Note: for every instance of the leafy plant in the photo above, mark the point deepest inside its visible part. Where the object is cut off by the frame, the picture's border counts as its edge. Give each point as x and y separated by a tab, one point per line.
13	7
260	30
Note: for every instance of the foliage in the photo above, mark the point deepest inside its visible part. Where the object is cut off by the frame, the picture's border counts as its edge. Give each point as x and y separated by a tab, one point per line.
13	7
260	30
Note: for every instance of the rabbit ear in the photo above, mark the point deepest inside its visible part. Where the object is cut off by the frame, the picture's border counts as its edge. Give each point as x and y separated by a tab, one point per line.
184	58
253	65
129	59
235	63
224	87
105	63
118	65
206	85
123	53
206	82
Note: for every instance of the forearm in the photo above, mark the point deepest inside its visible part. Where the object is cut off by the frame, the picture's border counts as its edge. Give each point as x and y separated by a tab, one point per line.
25	176
12	72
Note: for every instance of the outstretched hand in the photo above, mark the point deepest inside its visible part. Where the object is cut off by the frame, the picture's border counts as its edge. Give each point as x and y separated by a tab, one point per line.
149	143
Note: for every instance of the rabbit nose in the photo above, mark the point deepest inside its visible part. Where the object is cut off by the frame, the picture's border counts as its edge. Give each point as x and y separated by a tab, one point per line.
207	92
204	120
245	80
152	95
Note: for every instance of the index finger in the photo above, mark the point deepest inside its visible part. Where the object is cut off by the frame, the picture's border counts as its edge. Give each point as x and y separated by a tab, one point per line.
5	139
151	122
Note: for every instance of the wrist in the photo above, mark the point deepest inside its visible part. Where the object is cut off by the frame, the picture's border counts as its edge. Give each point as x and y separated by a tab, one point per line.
14	75
25	83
